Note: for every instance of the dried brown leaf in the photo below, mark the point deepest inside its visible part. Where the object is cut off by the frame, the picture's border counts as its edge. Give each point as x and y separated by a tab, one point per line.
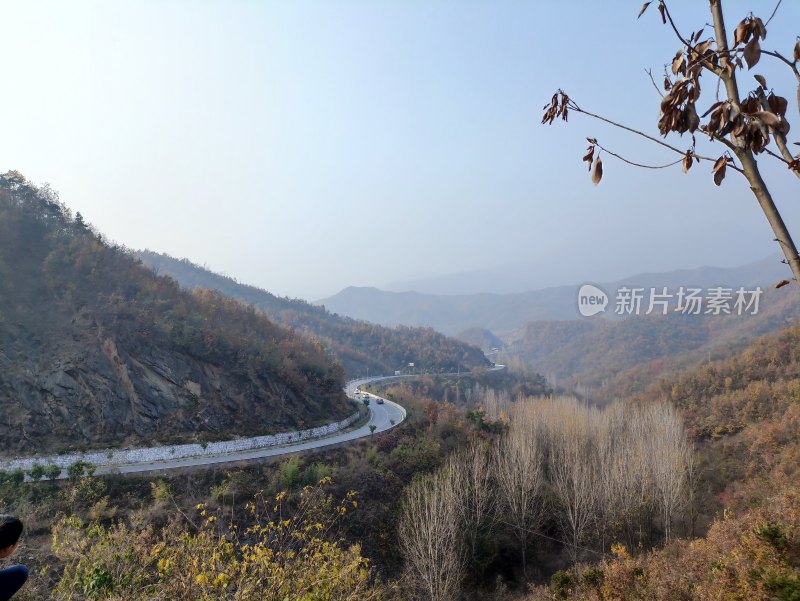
797	51
597	171
752	53
713	107
761	30
663	10
720	165
687	161
768	118
782	283
644	8
589	156
691	117
698	34
778	104
761	81
701	49
677	63
740	34
719	175
751	104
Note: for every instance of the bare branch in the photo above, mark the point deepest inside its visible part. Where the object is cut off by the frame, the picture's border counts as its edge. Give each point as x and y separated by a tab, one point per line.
777	6
705	62
578	109
650	73
674	27
779	56
573	106
742	126
635	164
780	139
720	34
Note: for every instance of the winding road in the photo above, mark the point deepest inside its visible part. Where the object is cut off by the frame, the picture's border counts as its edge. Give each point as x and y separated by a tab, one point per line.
383	416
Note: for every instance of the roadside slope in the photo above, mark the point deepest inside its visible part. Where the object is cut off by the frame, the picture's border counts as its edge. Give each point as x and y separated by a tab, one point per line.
96	351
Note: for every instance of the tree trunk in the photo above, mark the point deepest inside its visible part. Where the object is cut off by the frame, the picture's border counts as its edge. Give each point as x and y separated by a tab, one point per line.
745	155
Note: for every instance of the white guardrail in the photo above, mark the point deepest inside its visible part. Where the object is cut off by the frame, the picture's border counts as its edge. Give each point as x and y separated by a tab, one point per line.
111	457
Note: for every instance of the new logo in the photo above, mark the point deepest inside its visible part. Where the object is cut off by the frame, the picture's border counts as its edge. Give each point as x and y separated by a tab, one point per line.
591	300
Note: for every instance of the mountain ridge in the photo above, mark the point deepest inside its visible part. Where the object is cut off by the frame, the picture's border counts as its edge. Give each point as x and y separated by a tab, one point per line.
97	351
361	347
504	313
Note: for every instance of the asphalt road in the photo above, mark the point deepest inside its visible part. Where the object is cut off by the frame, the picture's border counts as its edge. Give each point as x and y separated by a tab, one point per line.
383	416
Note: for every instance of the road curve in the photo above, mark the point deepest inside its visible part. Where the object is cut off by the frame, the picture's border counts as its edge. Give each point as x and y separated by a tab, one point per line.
383	416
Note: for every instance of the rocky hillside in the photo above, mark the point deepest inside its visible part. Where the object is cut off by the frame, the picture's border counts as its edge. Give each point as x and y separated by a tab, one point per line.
360	346
96	350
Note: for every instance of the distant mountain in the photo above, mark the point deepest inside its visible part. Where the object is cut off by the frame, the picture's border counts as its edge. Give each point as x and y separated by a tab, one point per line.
504	313
482	338
361	347
97	351
594	353
453	314
550	272
508	279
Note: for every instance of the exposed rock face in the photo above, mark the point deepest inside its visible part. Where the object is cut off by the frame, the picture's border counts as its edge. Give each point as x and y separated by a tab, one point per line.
88	390
96	351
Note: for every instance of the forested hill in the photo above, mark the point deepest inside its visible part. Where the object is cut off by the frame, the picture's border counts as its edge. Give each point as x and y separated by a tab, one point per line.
359	345
96	350
610	356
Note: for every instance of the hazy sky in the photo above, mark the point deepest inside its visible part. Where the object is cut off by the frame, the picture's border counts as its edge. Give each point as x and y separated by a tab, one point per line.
307	146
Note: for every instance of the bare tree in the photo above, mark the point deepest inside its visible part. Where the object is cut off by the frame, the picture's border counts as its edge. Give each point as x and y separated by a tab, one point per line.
669	457
430	535
572	470
614	469
746	127
519	466
633	473
692	469
611	446
478	498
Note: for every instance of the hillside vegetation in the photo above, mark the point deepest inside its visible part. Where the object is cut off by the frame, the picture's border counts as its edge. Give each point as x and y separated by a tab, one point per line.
595	353
95	350
743	412
360	346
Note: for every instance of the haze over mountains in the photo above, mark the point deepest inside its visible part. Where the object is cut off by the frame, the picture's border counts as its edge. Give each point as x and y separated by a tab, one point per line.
542	330
548	272
361	347
504	313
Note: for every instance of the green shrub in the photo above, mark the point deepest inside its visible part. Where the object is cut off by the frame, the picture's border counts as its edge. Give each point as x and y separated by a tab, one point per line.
561	583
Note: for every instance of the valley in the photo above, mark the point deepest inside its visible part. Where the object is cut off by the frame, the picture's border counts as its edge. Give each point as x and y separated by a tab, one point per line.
311	301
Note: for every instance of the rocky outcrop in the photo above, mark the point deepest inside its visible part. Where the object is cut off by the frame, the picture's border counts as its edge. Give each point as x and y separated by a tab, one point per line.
97	351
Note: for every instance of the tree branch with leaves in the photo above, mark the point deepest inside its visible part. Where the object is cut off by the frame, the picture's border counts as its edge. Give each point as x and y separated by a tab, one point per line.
747	127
